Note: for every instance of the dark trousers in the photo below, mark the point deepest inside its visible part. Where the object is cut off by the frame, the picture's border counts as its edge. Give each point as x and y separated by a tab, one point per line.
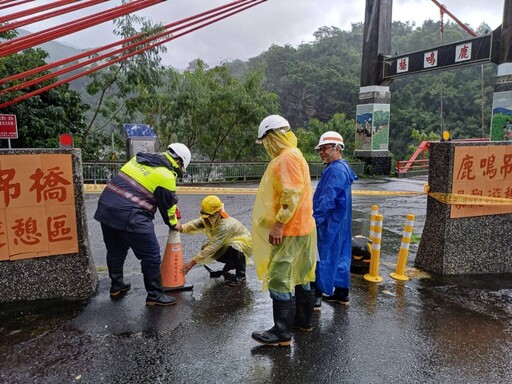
233	259
144	245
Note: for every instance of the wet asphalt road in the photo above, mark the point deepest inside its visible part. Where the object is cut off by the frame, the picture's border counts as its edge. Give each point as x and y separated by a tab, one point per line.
426	330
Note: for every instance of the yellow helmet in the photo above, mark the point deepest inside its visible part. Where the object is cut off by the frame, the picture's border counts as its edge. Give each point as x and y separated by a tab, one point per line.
210	205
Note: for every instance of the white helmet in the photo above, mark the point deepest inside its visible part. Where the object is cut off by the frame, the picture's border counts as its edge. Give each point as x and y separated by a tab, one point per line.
331	137
270	123
181	151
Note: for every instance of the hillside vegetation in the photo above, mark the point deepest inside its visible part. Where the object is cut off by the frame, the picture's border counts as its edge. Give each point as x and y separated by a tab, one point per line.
216	111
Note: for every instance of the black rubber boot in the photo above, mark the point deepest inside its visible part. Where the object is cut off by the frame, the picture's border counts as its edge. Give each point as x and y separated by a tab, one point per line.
156	295
340	296
228	266
317	307
280	333
117	286
240	277
304	303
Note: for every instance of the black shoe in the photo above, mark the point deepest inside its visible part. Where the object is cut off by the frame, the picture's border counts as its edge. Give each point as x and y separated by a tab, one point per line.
156	295
340	296
117	286
272	338
318	304
119	290
237	281
162	300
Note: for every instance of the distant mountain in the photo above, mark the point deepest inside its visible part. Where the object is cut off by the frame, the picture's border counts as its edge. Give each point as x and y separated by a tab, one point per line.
56	50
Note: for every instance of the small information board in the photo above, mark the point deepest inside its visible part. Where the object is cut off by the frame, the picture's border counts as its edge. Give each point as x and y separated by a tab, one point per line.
141	138
8	127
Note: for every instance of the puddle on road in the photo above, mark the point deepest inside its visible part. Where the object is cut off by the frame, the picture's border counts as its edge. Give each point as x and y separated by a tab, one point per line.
20	322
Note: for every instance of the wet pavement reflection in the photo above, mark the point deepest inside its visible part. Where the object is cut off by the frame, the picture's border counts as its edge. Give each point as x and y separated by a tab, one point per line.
429	329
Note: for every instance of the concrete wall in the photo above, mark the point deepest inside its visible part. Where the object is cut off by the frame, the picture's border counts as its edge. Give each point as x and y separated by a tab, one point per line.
466	245
58	276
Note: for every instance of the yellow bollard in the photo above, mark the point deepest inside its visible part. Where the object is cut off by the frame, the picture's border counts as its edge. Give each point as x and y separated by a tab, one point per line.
399	273
373	276
374	212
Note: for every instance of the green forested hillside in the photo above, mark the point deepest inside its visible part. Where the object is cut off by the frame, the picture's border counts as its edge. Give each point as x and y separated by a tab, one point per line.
216	111
315	83
322	77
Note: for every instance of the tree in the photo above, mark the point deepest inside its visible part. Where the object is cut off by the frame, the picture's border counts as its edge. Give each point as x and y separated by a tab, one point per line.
211	111
43	118
321	78
309	136
120	87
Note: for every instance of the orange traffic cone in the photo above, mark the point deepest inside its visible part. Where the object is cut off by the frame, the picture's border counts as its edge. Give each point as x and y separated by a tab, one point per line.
173	278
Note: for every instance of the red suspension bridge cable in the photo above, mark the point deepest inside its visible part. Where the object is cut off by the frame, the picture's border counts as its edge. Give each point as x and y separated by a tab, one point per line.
13	4
46	35
31	11
126	56
134	44
49	15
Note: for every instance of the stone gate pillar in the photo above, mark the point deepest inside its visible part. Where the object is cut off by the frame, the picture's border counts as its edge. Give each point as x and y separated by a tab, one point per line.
44	245
373	107
469	209
501	126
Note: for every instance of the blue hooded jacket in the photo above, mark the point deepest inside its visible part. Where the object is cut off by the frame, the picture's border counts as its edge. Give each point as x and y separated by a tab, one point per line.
332	210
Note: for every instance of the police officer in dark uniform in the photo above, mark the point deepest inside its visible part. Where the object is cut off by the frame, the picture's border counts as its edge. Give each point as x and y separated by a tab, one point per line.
126	210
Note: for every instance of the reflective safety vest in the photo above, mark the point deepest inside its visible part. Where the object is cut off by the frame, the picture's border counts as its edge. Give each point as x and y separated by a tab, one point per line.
131	198
150	177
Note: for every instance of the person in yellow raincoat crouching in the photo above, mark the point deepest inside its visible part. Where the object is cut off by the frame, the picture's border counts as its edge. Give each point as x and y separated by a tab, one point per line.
228	242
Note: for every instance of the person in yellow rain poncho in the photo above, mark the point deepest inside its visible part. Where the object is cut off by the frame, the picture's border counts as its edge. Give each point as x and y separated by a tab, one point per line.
228	240
284	233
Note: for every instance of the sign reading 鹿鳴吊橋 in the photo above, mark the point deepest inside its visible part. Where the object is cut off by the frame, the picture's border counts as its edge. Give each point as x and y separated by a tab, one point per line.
483	171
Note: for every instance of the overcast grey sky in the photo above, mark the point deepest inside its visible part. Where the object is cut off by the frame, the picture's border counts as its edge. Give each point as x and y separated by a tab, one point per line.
253	31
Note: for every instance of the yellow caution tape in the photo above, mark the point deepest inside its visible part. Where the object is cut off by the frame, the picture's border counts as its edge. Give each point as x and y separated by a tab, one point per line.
462	199
216	190
252	191
386	193
94	188
446	198
98	188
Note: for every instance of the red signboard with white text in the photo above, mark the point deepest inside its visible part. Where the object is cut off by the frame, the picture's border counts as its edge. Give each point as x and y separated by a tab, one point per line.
8	127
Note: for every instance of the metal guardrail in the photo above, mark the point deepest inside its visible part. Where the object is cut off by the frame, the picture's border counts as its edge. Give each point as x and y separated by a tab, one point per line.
203	172
412	167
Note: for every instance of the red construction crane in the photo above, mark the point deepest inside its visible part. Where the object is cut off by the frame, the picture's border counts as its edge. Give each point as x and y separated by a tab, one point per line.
463	26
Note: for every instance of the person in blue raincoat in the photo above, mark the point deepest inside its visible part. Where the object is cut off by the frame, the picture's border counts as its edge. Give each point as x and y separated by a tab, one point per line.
332	210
